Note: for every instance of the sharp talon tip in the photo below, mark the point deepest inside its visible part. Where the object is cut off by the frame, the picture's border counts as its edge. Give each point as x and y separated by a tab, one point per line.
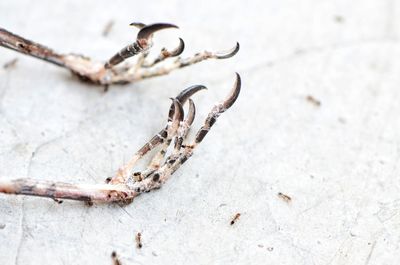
188	92
174	115
179	49
229	53
191	113
178	115
234	94
139	25
148	30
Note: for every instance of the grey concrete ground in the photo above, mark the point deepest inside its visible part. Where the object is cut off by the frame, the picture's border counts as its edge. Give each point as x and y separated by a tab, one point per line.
337	161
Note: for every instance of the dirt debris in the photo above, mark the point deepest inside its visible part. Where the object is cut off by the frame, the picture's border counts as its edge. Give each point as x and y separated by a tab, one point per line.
138	239
313	101
284	197
235	218
115	258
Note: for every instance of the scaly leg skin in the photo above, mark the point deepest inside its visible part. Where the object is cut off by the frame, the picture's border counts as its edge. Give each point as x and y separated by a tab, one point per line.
182	152
164	136
112	72
126	185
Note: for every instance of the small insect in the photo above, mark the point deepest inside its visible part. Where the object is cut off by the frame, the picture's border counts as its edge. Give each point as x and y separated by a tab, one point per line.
138	239
127	184
235	218
115	258
313	100
284	197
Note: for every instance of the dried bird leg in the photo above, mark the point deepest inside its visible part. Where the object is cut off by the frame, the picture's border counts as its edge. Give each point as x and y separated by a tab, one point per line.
111	72
124	187
164	136
59	190
22	45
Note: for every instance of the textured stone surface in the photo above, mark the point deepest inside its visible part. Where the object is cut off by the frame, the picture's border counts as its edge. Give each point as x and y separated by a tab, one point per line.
338	161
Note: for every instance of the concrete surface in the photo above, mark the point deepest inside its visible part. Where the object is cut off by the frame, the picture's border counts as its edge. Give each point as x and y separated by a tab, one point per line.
338	161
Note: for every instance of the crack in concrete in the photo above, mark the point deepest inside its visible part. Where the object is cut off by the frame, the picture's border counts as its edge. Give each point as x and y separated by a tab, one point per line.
42	145
23	216
370	253
21	239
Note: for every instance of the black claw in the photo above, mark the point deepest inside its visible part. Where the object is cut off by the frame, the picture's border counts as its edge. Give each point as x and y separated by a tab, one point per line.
184	96
229	53
228	102
188	92
180	113
139	25
148	30
191	113
176	115
140	45
179	49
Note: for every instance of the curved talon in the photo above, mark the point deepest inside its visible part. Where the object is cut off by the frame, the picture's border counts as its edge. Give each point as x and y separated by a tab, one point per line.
188	92
191	113
234	94
184	96
148	30
164	54
177	51
138	25
218	109
177	115
184	127
176	118
229	53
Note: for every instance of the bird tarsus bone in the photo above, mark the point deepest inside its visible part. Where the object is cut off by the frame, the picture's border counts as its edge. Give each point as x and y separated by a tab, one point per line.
113	72
126	185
